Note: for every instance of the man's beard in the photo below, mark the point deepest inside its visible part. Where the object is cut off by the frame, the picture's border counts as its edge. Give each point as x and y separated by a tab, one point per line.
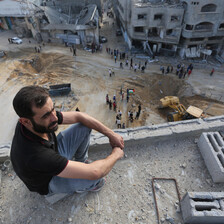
41	129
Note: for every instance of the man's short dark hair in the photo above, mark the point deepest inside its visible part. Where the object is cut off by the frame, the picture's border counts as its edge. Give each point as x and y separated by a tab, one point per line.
28	97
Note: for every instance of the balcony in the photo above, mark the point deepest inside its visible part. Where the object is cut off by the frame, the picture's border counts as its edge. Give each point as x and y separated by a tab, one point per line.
139	22
164	36
139	36
204	29
220	32
194	34
166	39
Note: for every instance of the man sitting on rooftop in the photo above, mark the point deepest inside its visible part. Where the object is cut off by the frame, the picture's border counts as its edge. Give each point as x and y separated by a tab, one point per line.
49	164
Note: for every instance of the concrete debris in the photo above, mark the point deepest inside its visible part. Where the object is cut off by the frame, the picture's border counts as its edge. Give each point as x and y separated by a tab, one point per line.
196	141
4	152
6	166
169	219
157	186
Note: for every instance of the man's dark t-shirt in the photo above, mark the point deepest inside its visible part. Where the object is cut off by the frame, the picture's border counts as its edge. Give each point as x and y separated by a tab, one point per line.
36	160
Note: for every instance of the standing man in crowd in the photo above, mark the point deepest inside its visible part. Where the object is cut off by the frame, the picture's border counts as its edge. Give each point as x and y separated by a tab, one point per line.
212	72
49	164
139	109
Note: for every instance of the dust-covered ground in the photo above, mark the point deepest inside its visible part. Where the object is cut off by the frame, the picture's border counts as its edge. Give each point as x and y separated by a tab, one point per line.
127	196
90	81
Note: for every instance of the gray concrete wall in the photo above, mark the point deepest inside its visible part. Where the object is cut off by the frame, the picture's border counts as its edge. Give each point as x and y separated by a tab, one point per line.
162	132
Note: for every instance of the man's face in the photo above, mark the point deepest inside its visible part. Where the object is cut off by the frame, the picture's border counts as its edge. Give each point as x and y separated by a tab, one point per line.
45	119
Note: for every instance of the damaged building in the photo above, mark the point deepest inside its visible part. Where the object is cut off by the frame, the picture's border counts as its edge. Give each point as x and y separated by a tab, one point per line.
169	27
84	29
203	28
156	25
14	14
69	22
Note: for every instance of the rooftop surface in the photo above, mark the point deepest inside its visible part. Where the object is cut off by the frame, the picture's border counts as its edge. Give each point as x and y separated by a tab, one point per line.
167	150
15	8
144	3
127	196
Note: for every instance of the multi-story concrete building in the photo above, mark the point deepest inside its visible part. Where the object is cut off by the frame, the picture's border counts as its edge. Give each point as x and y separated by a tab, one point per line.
158	23
170	26
203	27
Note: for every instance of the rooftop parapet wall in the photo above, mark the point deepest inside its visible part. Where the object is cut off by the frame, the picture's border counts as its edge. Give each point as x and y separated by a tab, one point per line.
164	131
145	3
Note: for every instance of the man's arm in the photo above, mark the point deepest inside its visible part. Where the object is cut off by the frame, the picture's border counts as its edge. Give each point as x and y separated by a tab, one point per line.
94	170
74	117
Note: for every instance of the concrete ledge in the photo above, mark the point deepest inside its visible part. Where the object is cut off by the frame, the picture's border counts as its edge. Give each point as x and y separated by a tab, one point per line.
0	180
164	131
203	208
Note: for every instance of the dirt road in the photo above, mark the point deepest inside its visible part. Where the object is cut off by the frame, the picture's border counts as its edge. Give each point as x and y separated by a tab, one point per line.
89	76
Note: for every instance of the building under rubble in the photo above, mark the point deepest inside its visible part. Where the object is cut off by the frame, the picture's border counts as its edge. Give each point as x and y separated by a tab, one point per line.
191	28
69	22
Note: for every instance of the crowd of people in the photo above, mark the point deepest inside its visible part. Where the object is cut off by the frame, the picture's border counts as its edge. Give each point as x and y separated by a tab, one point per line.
124	60
134	115
112	103
181	71
38	49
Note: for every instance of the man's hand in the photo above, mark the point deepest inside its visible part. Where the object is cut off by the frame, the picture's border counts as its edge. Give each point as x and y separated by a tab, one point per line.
118	151
94	170
116	141
73	117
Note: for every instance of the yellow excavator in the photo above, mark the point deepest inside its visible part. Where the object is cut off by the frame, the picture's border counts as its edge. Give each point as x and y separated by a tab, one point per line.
180	112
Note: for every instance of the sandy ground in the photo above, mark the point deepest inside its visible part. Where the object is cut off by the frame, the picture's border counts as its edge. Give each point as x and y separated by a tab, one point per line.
131	178
89	76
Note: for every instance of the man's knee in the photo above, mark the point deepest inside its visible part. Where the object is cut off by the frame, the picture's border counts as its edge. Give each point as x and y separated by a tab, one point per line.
83	128
76	129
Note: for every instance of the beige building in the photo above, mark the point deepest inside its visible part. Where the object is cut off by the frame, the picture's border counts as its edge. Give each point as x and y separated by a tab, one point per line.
190	28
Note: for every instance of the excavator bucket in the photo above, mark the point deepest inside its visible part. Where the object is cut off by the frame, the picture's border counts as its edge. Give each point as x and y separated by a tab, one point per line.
194	111
169	100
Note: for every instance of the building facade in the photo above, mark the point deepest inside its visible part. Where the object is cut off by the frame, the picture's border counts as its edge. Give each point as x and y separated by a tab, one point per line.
49	23
203	27
189	28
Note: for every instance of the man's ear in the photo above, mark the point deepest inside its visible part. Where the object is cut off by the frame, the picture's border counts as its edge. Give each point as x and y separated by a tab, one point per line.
25	121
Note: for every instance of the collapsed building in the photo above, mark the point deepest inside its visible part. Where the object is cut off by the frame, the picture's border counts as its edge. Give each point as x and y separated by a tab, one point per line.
169	27
13	15
52	21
